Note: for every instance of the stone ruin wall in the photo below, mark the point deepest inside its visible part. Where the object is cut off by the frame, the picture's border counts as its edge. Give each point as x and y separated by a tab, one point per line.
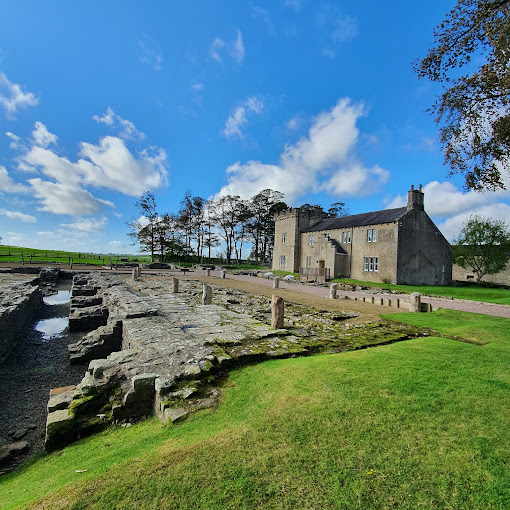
155	352
18	305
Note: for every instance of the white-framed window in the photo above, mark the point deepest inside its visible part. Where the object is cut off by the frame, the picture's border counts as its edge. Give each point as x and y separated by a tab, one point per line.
311	240
282	261
346	237
371	235
284	237
370	263
308	261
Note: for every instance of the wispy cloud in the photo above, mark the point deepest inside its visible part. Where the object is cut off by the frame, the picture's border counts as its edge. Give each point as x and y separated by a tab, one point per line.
8	185
13	98
238	118
337	27
263	14
15	215
86	225
151	52
234	48
128	130
295	4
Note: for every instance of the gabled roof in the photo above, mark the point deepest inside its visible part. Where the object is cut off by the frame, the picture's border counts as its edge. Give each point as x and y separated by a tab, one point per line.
358	220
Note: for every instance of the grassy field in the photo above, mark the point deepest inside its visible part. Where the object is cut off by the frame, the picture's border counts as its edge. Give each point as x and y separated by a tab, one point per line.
473	292
415	424
34	256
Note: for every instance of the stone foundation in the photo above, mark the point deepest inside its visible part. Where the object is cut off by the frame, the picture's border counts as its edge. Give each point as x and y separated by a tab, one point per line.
161	353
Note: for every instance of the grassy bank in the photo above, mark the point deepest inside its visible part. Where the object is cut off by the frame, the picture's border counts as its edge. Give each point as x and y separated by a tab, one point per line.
472	292
422	423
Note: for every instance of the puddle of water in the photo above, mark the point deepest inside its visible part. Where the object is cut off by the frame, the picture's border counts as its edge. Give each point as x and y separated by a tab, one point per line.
52	328
63	296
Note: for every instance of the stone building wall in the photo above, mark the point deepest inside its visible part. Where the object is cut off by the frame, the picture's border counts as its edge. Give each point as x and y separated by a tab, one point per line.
384	248
290	222
424	255
466	275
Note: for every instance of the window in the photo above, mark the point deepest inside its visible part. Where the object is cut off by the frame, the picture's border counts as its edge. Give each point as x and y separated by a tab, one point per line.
370	263
311	240
346	237
282	260
371	235
308	261
284	237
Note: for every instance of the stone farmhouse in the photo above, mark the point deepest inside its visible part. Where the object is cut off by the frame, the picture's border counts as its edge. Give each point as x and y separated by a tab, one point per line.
401	245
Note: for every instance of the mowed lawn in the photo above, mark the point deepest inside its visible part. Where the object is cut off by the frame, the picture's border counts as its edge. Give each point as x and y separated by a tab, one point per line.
473	292
417	424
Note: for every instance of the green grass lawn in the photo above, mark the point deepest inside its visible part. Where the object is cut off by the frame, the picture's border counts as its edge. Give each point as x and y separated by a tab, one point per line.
473	292
416	424
35	256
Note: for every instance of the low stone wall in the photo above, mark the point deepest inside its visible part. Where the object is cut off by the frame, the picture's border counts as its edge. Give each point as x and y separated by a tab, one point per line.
18	304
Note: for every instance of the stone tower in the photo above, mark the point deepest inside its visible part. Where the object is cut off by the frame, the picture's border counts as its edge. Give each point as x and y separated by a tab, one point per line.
288	225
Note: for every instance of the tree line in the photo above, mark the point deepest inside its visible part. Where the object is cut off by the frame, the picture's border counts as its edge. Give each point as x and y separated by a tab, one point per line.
200	225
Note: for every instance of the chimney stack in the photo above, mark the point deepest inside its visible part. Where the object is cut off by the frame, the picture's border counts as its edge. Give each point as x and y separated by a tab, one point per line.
415	198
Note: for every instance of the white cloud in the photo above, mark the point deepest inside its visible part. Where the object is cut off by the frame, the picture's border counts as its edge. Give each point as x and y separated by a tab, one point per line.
235	48
109	164
443	200
151	52
15	215
353	180
128	129
16	142
451	227
237	118
197	86
117	214
61	198
7	184
324	160
86	225
16	239
12	97
42	137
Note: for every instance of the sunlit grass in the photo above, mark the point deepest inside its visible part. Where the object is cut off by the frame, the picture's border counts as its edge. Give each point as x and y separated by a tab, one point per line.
416	424
472	292
36	256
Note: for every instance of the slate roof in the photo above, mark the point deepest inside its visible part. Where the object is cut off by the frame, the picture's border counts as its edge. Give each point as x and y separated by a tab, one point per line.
358	220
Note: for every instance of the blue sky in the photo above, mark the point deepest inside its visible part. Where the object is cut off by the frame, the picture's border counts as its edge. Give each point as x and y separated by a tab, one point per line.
101	101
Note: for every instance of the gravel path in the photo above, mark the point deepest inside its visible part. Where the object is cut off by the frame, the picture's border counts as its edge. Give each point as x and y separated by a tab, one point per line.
321	291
